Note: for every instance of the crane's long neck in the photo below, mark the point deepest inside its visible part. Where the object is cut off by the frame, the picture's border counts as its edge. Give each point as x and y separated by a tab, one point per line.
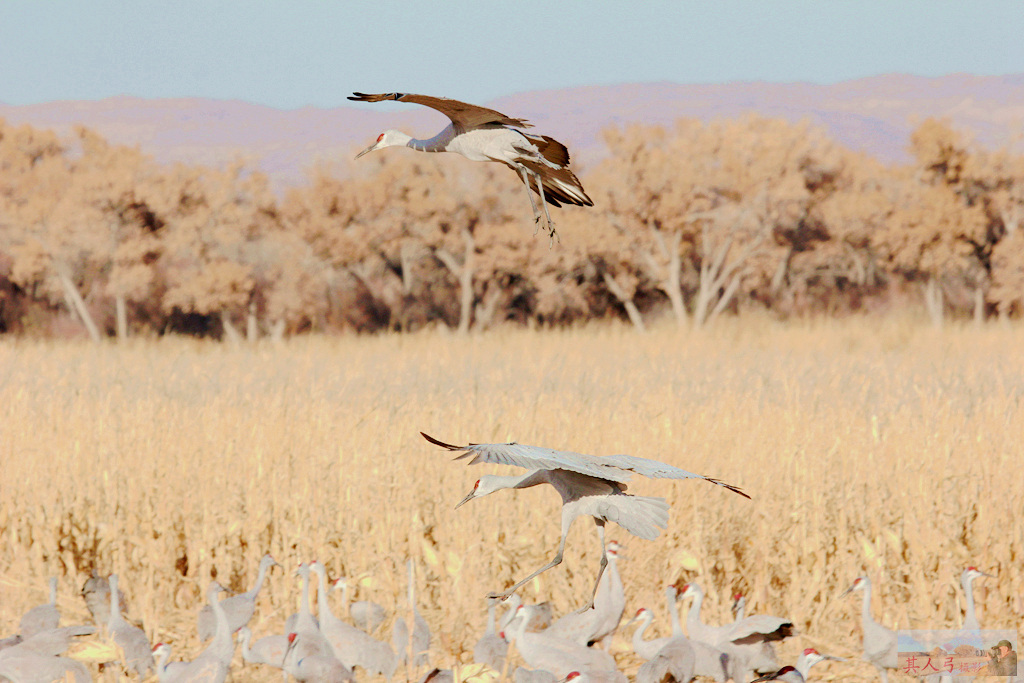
516	481
53	590
673	612
244	639
438	143
344	597
115	606
323	608
412	586
638	634
161	656
970	618
260	577
304	607
865	610
693	621
803	666
222	636
490	618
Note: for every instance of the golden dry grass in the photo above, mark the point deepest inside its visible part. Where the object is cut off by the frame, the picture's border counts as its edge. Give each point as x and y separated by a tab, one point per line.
870	446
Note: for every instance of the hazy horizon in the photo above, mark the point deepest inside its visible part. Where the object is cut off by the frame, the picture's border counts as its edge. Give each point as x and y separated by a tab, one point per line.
299	54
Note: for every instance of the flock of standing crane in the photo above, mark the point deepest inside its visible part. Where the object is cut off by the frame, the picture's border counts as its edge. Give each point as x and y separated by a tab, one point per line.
326	648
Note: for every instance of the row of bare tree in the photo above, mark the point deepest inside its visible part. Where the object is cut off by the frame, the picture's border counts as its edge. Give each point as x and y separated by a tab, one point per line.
688	223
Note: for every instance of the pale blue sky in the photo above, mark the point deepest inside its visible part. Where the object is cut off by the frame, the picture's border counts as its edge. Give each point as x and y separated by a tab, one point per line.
293	53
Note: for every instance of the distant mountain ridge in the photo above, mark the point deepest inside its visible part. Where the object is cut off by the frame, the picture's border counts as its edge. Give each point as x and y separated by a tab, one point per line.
874	115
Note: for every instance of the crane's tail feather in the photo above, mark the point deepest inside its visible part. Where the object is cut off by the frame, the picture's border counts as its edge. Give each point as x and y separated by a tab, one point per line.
639	515
561	186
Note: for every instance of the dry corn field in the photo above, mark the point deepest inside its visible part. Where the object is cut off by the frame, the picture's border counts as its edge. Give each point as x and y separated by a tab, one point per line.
871	447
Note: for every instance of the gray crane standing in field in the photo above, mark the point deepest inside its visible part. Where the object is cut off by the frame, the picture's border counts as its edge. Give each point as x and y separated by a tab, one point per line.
239	608
269	650
970	615
411	639
590	486
557	655
314	667
879	641
645	649
748	642
491	649
600	621
482	134
138	654
96	593
673	656
222	647
208	667
352	646
967	583
26	666
41	617
365	614
309	639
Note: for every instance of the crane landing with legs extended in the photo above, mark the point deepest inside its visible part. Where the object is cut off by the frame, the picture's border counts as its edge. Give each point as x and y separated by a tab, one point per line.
482	134
590	486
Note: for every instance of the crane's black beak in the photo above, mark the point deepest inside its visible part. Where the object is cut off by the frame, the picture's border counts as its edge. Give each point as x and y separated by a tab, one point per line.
367	150
465	500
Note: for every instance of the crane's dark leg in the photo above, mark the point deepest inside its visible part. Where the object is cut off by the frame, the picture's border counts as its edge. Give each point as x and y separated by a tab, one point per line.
544	205
604	563
529	193
566	523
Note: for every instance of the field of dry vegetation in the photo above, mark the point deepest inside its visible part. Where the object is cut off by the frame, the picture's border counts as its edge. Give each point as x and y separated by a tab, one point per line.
869	446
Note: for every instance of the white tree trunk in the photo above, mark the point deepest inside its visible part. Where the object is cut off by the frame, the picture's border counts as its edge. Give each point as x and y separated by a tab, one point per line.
627	301
252	328
121	311
979	305
231	333
933	301
463	272
78	304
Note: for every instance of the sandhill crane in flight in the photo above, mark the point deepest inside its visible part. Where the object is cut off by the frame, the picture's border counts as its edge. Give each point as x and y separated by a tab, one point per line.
589	486
482	134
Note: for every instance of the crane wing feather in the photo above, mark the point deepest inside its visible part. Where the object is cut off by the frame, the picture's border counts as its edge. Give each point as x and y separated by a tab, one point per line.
660	470
618	468
463	114
535	458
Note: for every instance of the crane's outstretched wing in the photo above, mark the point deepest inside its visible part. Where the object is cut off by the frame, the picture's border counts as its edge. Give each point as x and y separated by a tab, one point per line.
535	458
617	468
659	470
463	114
